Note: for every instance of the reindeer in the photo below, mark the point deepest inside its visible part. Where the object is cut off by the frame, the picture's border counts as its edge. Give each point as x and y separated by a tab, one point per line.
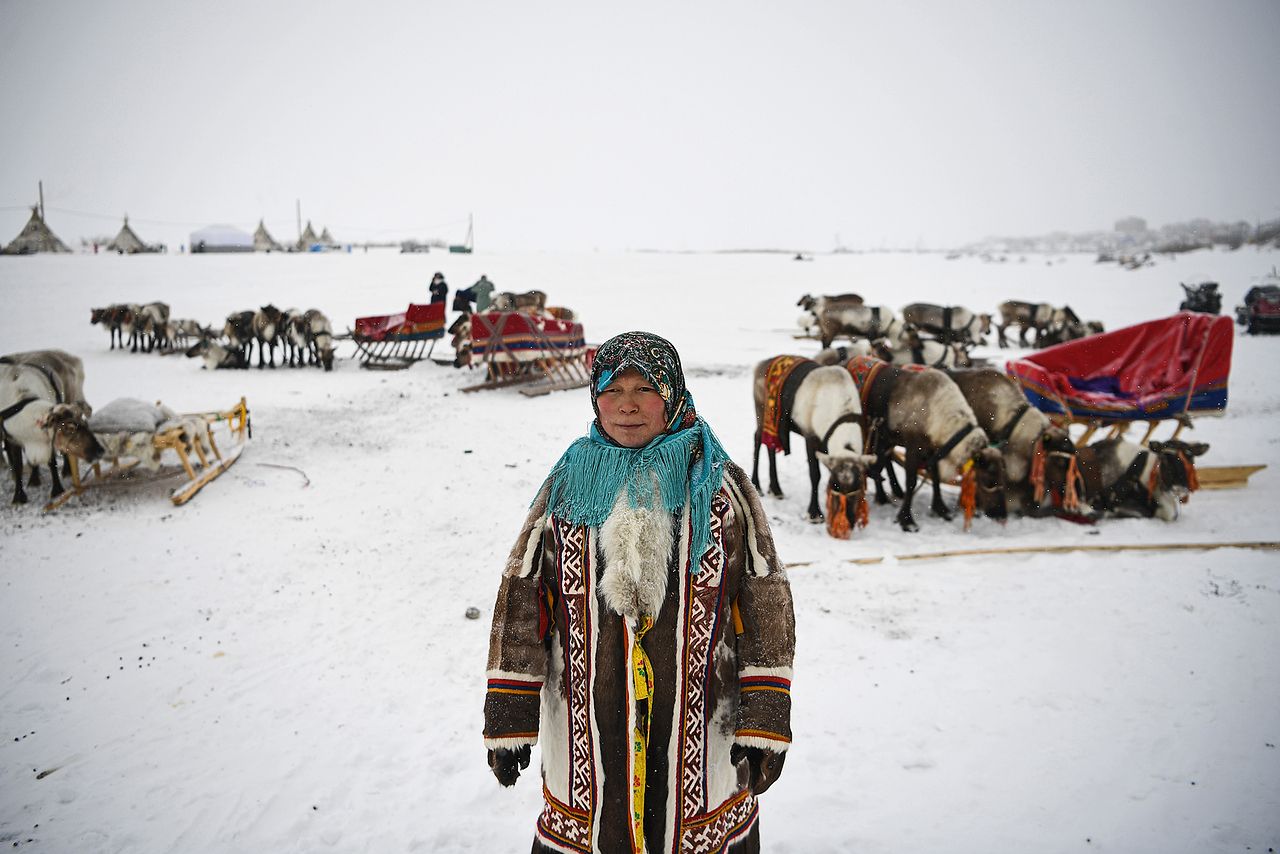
217	355
460	329
948	323
841	355
1028	316
42	413
858	321
294	336
238	330
1124	479
922	410
529	302
266	331
318	336
793	394
1039	457
110	317
915	350
148	323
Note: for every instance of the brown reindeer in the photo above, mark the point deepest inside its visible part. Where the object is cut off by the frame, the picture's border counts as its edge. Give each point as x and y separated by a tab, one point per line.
948	323
1027	316
793	394
1039	458
110	317
238	330
529	302
923	411
267	322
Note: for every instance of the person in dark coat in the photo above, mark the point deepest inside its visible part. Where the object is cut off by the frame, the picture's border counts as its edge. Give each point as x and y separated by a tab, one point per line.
439	288
643	632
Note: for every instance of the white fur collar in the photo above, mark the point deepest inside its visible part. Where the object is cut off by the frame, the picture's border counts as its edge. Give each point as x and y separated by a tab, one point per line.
636	542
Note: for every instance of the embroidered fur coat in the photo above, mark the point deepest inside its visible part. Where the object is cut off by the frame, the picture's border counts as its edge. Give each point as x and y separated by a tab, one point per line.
570	649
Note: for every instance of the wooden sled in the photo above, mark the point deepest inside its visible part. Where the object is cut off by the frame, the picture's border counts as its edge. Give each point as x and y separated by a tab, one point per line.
539	354
174	438
393	342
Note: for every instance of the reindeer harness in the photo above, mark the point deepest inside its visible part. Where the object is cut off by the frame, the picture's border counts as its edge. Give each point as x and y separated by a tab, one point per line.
26	401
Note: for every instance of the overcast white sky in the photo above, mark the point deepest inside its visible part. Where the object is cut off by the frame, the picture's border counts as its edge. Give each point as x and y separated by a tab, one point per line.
675	125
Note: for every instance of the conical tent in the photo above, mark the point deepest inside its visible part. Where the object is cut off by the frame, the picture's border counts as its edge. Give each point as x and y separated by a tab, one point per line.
326	238
308	238
263	241
127	242
35	237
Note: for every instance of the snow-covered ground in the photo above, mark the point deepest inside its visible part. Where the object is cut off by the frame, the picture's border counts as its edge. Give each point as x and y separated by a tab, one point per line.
286	667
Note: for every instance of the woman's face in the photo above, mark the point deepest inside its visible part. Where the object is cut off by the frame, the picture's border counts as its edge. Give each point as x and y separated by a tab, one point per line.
632	411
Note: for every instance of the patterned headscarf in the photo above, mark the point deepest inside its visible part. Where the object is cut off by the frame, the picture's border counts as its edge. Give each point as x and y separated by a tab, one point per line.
657	360
683	465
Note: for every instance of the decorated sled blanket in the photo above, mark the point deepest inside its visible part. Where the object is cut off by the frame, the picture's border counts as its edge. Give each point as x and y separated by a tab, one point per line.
512	336
1154	370
781	379
417	323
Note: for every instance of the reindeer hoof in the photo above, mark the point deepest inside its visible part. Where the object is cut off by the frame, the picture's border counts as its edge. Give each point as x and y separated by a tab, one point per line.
816	520
909	525
942	513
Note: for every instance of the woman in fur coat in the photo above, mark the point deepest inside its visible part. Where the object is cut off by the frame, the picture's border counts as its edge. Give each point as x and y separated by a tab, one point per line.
643	630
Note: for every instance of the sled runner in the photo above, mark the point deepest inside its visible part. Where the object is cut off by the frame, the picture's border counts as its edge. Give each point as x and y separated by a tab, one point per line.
395	341
1168	369
541	354
130	442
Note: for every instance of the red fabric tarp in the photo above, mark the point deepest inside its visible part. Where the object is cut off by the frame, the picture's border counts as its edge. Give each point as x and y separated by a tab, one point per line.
514	336
1158	369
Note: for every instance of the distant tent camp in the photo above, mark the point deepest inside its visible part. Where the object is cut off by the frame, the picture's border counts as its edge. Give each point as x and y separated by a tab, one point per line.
128	243
308	239
221	238
35	237
263	241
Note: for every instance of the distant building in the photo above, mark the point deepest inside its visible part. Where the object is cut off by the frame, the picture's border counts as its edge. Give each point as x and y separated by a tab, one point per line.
263	241
35	237
308	240
128	243
221	238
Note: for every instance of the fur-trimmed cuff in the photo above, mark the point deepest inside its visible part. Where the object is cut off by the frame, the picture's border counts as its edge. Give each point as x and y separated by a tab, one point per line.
511	710
764	708
514	742
764	741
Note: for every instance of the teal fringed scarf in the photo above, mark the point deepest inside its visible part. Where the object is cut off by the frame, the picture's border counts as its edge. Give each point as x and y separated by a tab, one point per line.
686	465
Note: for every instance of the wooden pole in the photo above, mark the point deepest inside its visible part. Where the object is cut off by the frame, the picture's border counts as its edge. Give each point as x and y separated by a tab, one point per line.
1256	545
41	185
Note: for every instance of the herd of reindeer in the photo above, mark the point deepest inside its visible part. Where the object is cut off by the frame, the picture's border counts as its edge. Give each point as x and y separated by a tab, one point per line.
906	391
305	337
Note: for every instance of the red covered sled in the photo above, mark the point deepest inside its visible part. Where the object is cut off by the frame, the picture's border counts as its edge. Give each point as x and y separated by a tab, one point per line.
546	353
1171	368
393	341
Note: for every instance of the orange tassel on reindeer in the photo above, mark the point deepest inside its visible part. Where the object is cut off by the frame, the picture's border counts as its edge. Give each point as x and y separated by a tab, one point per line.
1037	470
968	493
837	517
1074	487
1193	479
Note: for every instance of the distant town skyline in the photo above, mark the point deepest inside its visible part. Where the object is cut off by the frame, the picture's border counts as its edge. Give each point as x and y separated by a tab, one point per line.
668	126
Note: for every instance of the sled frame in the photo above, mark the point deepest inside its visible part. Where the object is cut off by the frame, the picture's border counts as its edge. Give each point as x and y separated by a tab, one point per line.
211	465
550	371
